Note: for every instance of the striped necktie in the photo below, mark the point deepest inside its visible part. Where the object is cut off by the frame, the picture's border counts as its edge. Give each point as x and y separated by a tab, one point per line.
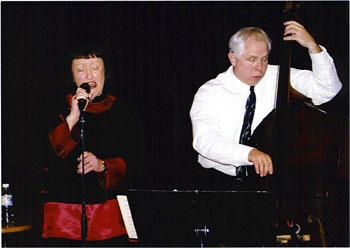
246	128
248	118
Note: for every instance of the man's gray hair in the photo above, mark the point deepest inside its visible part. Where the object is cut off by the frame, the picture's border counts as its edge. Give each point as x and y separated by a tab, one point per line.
236	43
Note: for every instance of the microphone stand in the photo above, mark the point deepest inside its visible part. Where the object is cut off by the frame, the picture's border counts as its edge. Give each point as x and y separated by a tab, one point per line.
83	212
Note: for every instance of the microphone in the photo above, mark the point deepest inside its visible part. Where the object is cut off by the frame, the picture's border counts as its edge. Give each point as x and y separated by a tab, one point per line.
82	102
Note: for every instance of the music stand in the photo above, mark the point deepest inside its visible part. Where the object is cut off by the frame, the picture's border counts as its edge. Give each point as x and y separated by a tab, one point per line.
202	218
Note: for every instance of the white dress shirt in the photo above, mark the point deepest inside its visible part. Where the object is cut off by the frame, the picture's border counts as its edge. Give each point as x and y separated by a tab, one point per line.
219	106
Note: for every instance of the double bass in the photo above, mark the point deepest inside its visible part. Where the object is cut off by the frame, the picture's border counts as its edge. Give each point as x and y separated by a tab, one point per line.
310	154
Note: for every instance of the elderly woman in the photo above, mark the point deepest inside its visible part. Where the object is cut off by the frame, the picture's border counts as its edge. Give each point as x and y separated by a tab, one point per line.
113	154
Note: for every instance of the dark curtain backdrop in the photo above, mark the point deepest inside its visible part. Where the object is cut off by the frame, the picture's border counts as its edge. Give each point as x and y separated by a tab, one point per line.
161	53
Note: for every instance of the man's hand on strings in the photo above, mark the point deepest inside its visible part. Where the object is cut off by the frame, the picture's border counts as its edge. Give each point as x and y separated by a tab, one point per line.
262	162
295	31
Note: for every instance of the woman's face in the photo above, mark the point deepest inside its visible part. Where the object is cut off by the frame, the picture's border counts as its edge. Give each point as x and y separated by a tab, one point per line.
91	71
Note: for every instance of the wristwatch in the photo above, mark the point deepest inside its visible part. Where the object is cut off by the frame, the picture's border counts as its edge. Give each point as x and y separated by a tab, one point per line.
104	166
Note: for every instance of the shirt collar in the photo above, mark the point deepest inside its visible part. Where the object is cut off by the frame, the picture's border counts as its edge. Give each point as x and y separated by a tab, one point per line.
232	82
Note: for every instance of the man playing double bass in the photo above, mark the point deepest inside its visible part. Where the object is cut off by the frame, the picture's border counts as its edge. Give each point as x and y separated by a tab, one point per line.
227	109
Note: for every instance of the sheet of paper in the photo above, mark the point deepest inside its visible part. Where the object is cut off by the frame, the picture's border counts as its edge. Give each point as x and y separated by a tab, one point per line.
127	217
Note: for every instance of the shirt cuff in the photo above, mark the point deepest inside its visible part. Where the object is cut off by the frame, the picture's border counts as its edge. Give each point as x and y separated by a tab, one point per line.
114	174
62	140
319	58
243	155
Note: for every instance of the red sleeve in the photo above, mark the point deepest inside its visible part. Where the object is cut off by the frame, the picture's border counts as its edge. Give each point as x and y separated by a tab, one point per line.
114	174
62	140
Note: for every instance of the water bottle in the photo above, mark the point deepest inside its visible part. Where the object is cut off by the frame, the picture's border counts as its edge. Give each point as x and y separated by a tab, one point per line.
7	216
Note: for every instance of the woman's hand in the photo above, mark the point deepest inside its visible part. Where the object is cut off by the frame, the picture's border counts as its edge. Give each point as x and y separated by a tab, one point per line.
296	31
74	114
91	163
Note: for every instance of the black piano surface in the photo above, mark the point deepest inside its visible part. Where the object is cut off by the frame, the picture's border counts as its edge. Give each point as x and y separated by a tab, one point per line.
201	218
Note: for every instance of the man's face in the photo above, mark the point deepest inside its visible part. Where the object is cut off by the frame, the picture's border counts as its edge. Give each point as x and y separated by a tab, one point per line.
251	66
89	71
